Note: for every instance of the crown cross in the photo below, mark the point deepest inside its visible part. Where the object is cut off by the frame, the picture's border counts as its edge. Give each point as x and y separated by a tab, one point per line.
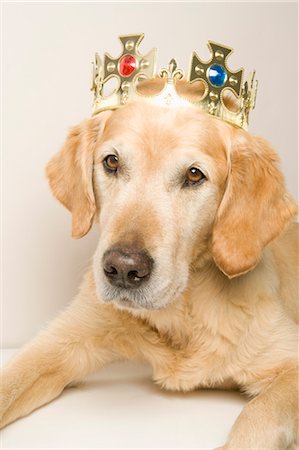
128	67
215	73
130	61
217	77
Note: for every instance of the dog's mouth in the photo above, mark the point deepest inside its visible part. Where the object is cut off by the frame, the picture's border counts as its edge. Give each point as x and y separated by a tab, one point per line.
129	298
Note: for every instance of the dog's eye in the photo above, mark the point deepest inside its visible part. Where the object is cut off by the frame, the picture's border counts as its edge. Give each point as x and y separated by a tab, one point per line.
111	163
193	176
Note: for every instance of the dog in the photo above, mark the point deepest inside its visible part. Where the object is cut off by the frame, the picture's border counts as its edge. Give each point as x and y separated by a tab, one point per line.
195	271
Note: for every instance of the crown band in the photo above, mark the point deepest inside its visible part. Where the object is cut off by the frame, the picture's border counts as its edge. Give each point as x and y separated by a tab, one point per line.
131	67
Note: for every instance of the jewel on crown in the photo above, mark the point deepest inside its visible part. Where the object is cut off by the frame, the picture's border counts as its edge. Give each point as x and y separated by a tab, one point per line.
131	67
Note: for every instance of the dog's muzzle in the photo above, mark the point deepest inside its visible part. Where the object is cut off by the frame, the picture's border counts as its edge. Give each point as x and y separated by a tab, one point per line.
127	267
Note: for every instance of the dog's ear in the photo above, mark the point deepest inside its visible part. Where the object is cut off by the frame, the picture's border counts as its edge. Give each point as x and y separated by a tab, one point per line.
70	173
255	207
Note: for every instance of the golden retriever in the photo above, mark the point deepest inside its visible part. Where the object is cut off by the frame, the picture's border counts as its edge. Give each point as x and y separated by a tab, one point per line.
195	270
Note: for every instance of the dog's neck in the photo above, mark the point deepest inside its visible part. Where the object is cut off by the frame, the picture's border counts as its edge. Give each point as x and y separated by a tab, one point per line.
204	305
177	322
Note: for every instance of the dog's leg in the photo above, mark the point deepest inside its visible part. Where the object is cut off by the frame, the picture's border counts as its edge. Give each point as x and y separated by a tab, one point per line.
85	337
270	420
65	353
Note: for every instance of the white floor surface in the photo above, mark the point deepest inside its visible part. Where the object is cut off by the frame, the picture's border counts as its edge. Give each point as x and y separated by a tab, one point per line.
121	408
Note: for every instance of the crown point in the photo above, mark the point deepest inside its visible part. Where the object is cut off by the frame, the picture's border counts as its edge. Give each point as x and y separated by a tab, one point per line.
125	85
199	70
219	55
233	80
217	75
212	107
172	65
129	45
213	96
110	66
127	65
144	64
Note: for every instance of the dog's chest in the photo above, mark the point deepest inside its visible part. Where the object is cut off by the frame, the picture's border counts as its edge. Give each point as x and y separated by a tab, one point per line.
200	355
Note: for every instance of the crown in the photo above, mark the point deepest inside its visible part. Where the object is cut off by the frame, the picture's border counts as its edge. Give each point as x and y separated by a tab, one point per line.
131	67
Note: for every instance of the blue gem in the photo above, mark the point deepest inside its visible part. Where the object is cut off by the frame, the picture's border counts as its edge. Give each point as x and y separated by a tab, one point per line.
217	75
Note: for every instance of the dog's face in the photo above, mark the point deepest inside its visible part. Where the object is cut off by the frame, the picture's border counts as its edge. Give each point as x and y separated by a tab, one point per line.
170	189
159	175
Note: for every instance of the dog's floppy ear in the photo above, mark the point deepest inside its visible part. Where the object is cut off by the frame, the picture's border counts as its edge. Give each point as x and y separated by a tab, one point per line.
70	173
255	207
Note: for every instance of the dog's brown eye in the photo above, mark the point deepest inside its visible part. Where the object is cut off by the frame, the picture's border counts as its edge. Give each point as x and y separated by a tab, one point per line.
194	176
111	163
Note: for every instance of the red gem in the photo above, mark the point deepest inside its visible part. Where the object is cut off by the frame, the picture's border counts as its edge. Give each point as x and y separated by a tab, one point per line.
127	65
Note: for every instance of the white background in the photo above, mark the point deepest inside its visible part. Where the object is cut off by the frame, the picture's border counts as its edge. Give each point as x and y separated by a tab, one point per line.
46	53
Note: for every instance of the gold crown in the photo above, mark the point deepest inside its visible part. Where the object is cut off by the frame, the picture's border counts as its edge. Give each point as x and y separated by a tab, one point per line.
131	67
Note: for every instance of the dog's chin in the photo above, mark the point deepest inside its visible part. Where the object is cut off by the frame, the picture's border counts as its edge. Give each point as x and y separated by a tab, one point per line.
125	302
134	299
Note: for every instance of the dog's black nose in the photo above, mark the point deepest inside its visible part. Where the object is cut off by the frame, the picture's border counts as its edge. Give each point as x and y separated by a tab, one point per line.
127	267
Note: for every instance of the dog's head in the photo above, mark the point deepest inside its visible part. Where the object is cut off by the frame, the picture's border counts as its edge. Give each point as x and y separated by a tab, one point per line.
171	189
